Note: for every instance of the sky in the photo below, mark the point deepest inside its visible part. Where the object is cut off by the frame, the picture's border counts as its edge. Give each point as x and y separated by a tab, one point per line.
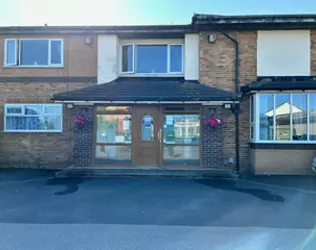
137	12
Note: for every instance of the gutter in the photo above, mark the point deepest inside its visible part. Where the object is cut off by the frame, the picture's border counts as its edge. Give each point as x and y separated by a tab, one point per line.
83	102
236	107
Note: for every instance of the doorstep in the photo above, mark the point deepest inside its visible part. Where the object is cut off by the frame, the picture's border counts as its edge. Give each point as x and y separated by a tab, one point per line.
146	171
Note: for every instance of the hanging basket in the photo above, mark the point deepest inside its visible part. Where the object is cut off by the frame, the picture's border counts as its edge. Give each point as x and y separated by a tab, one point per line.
80	120
214	122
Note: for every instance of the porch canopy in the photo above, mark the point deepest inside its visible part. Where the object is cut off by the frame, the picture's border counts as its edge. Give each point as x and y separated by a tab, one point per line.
279	85
147	89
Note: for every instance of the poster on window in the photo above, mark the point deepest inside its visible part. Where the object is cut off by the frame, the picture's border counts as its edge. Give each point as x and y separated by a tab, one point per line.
148	120
126	124
169	120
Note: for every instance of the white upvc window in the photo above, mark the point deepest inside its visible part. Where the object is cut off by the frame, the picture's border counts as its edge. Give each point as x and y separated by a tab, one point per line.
283	117
33	52
152	59
33	117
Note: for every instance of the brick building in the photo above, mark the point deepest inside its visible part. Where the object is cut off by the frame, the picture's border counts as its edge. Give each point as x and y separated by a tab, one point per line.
138	96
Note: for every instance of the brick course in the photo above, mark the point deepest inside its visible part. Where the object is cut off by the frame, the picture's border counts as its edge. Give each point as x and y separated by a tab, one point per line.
218	142
45	150
83	137
217	69
79	59
36	150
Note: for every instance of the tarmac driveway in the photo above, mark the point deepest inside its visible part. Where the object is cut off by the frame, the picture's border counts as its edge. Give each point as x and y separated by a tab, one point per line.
38	211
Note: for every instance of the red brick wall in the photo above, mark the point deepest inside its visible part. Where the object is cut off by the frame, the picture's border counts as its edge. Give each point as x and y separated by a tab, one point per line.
217	69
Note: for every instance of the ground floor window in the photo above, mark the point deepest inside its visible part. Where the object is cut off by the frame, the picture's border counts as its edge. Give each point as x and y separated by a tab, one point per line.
181	144
33	117
283	117
113	135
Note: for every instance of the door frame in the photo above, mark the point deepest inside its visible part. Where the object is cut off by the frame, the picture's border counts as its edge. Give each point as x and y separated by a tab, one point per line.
136	133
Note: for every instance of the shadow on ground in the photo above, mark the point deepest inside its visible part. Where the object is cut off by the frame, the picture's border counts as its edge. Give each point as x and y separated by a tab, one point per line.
230	185
71	184
156	201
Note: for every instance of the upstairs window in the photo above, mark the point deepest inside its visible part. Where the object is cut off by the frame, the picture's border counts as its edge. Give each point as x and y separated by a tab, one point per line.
152	59
33	52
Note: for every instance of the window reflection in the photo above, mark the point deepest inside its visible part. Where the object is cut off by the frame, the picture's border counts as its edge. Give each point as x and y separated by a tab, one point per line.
114	129
266	116
176	58
312	117
182	129
181	155
106	153
147	130
299	117
127	58
145	62
282	116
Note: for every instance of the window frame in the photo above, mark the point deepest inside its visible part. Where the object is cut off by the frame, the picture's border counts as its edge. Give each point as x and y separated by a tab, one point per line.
97	112
121	59
22	114
165	144
134	71
256	107
18	53
252	118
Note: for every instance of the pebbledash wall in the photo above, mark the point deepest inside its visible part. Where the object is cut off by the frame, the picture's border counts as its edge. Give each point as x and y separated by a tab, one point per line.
37	85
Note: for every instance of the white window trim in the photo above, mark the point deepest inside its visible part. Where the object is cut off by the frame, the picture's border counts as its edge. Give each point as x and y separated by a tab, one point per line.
252	124
121	59
134	72
18	53
6	52
182	62
274	141
22	114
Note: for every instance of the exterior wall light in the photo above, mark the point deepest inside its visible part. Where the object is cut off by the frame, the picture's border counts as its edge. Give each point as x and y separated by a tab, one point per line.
212	38
88	40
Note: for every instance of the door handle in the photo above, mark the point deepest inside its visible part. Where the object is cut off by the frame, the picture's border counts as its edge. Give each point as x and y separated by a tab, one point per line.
159	135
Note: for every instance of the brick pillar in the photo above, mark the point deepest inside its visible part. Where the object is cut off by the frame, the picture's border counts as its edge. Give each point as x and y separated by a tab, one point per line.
83	137
212	147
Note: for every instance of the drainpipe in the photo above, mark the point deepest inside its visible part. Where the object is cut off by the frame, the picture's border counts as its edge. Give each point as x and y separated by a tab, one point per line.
236	108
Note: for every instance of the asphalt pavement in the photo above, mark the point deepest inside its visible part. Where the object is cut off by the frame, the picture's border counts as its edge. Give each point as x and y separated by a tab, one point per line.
38	211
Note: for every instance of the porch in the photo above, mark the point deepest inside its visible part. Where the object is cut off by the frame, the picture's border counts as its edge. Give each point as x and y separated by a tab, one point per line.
151	126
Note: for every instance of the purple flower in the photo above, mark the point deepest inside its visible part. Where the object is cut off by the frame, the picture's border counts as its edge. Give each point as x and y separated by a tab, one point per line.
213	121
79	120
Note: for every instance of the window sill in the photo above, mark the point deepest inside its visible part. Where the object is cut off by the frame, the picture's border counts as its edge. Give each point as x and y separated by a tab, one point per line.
32	66
152	75
31	131
282	142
